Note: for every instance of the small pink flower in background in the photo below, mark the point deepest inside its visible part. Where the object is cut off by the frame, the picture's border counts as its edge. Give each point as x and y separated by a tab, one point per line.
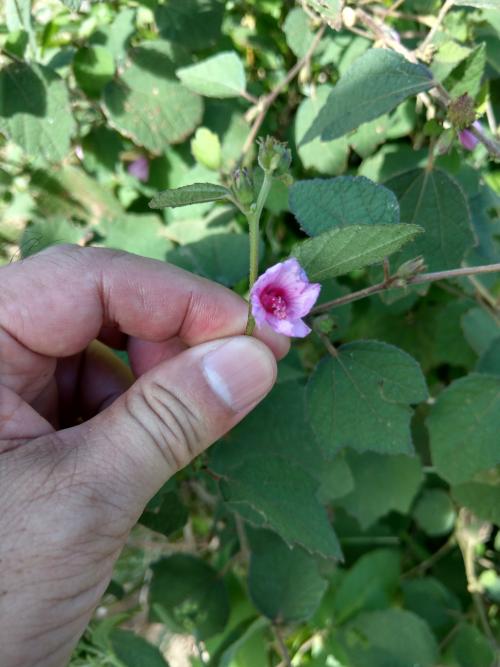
467	139
139	168
282	296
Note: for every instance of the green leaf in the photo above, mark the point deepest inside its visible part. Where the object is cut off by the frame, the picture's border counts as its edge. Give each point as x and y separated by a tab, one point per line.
429	599
435	201
134	651
170	516
190	194
18	15
449	54
329	10
222	75
243	634
196	24
371	583
381	484
42	234
374	84
219	257
322	204
206	149
74	5
140	234
361	398
390	638
463	427
482	496
187	594
34	111
469	647
345	249
93	67
283	495
489	362
434	512
298	33
480	329
467	77
147	104
285	584
326	157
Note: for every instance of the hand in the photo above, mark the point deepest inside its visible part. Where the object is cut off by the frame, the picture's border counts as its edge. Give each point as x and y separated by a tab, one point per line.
82	446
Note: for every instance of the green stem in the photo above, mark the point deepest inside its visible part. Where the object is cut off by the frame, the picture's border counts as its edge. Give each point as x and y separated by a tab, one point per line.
253	225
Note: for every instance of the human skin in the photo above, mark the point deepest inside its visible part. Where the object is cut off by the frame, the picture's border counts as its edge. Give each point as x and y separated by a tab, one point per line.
84	443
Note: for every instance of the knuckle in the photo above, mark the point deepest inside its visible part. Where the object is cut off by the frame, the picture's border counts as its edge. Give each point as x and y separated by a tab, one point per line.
171	425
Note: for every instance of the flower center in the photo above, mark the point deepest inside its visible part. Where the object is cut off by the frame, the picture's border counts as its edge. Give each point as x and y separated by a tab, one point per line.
275	303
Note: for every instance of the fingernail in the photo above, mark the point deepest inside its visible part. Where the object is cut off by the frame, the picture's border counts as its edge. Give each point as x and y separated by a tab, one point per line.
240	372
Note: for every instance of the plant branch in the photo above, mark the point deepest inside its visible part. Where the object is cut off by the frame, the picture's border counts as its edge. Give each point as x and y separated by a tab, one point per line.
266	101
253	224
439	20
394	282
281	643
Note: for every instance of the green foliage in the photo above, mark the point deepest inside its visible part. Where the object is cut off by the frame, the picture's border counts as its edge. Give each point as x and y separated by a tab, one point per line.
339	511
346	249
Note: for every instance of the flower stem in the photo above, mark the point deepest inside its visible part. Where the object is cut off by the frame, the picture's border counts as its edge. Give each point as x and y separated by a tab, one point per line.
253	226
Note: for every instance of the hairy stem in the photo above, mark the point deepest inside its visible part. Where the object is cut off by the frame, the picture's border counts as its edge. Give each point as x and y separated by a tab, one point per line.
392	283
253	225
281	643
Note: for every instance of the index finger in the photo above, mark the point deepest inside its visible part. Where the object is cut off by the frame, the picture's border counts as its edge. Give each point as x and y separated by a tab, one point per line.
56	302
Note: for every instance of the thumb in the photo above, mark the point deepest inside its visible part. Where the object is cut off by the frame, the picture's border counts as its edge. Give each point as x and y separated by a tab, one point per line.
176	410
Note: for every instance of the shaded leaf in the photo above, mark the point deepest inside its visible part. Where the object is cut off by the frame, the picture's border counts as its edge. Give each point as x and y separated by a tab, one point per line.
434	512
322	204
190	194
134	651
374	84
480	329
463	426
361	398
196	24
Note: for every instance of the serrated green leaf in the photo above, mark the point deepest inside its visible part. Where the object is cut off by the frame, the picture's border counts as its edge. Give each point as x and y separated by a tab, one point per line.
134	651
434	512
187	594
342	250
222	75
371	583
147	104
435	201
284	584
34	111
93	67
390	638
361	398
467	77
190	194
374	84
463	427
322	204
326	157
284	496
381	484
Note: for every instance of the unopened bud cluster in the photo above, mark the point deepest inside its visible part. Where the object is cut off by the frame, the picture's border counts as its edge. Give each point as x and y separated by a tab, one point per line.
410	269
242	187
274	156
462	112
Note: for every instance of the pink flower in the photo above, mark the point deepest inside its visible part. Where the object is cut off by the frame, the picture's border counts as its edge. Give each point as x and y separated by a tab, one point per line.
139	168
467	139
282	296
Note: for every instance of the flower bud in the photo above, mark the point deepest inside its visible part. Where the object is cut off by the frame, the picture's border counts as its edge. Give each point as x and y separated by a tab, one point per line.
274	156
467	139
242	186
461	112
410	269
